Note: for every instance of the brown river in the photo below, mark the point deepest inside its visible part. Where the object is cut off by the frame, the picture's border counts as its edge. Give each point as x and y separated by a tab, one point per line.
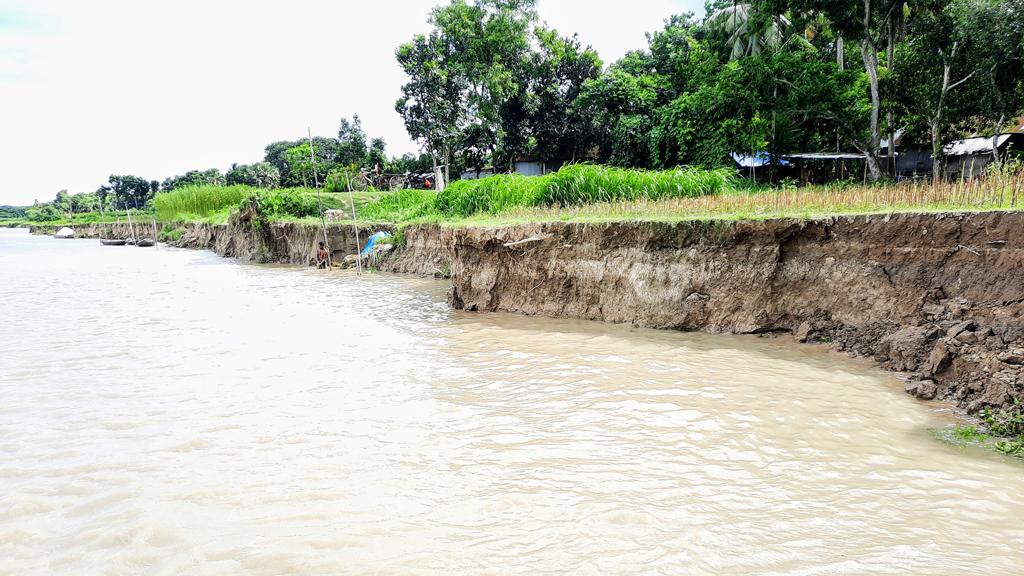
169	412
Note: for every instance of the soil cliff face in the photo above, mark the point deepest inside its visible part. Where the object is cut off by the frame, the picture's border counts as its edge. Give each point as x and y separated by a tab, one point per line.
278	242
938	296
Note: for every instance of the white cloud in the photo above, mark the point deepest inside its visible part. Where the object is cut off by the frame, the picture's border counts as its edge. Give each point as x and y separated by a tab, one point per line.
88	89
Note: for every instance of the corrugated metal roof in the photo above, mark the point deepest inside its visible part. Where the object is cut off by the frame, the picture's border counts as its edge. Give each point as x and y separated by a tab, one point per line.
757	160
898	137
971	146
826	156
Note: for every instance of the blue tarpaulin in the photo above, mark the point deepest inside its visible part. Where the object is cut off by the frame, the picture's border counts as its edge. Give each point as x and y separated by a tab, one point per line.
373	241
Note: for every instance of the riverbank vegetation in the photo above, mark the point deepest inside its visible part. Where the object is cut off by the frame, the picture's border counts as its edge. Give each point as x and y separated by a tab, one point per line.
587	193
582	194
1000	430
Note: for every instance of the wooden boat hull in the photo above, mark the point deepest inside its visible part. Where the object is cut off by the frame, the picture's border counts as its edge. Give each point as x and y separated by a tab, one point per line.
113	242
145	243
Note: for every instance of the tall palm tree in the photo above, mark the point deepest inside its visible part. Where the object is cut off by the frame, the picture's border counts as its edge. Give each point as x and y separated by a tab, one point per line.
748	34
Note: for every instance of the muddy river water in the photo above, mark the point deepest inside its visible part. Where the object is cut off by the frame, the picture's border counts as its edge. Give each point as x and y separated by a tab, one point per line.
171	412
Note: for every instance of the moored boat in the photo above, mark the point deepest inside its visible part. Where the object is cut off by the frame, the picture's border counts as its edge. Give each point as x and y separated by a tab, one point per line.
145	243
113	242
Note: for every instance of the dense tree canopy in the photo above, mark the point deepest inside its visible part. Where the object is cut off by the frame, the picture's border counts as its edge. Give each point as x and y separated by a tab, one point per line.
488	84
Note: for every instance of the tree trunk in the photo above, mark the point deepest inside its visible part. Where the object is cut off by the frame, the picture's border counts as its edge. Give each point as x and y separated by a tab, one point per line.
938	161
936	120
889	53
870	57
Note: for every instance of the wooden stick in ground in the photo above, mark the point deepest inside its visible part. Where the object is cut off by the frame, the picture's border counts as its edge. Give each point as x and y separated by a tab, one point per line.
355	227
319	202
131	227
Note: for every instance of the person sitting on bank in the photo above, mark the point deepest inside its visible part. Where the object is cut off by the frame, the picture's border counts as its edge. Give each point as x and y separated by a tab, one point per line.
323	257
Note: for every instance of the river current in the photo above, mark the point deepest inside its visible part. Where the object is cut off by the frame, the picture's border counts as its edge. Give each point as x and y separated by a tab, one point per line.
166	411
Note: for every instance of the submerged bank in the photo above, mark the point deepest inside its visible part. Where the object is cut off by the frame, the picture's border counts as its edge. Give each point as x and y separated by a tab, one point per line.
937	296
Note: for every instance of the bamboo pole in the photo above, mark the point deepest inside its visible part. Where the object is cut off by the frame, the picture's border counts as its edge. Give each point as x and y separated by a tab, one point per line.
319	202
131	227
355	227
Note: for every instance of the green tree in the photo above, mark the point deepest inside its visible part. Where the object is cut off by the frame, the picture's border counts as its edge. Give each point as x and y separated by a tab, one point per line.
351	147
260	175
431	102
935	66
748	30
212	177
996	31
558	70
376	156
622	105
62	202
83	202
467	80
130	191
872	21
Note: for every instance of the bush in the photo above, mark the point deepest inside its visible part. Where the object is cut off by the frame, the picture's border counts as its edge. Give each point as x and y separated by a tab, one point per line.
43	213
293	202
1006	423
170	234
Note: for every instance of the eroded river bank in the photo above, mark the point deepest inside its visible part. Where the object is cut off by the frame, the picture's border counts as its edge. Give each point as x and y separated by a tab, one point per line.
938	297
168	411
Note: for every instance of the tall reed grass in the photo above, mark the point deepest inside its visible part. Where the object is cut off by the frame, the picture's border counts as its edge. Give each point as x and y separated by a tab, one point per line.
197	201
492	194
588	184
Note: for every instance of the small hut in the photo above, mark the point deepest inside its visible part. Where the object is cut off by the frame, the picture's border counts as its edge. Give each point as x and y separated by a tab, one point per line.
968	158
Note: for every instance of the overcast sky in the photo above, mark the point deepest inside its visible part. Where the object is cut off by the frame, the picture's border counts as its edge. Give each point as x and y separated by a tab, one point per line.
100	87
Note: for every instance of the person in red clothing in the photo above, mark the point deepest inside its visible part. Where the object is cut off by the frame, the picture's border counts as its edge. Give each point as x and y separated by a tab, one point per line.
323	258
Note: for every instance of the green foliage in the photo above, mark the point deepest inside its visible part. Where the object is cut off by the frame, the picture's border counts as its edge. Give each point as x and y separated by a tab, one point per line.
1006	422
131	191
969	434
259	175
352	148
13	212
409	163
43	213
1011	447
339	178
211	177
170	233
197	201
285	202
